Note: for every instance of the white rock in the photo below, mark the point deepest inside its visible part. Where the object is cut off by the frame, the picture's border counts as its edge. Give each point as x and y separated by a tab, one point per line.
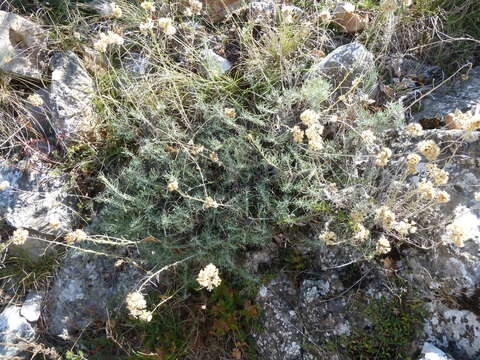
20	43
431	352
15	332
31	306
214	64
72	92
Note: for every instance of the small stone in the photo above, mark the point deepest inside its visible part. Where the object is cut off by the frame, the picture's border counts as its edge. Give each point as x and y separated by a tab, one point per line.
15	333
214	64
31	306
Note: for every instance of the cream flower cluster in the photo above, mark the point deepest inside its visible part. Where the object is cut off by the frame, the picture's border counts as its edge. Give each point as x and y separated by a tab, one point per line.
4	185
412	161
313	132
383	156
329	237
210	203
137	306
385	217
166	25
209	277
146	26
428	192
383	245
229	113
113	10
194	8
107	39
35	100
361	232
439	176
404	228
429	149
172	185
148	6
19	236
414	129
75	236
456	234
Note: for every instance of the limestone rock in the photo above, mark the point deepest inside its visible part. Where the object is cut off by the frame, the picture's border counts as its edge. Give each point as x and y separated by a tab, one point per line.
36	198
31	306
455	330
71	94
462	95
15	332
344	65
280	337
214	64
218	9
21	42
431	352
86	287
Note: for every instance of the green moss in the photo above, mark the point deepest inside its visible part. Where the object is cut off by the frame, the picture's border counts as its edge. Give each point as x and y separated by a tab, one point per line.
395	324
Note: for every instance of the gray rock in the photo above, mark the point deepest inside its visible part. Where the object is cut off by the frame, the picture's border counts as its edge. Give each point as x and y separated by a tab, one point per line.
213	64
38	200
15	332
20	43
41	115
345	64
403	67
455	330
281	334
86	287
431	352
31	306
71	95
462	95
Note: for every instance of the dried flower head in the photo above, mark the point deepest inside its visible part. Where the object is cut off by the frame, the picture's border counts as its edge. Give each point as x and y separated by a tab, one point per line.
426	190
388	5
385	217
209	277
297	134
358	216
456	234
414	129
166	25
412	161
442	197
429	149
75	236
4	185
314	131
114	10
210	203
439	176
146	26
137	305
229	113
197	149
383	245
194	8
148	6
383	156
361	232
309	117
288	14
325	16
172	185
476	196
19	236
315	144
329	237
106	39
403	227
35	100
214	157
368	137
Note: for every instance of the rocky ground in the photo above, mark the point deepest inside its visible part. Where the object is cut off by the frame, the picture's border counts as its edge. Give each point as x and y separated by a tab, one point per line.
298	127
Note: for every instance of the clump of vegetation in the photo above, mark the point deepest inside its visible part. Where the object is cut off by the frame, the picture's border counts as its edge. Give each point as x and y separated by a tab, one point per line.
198	167
394	325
